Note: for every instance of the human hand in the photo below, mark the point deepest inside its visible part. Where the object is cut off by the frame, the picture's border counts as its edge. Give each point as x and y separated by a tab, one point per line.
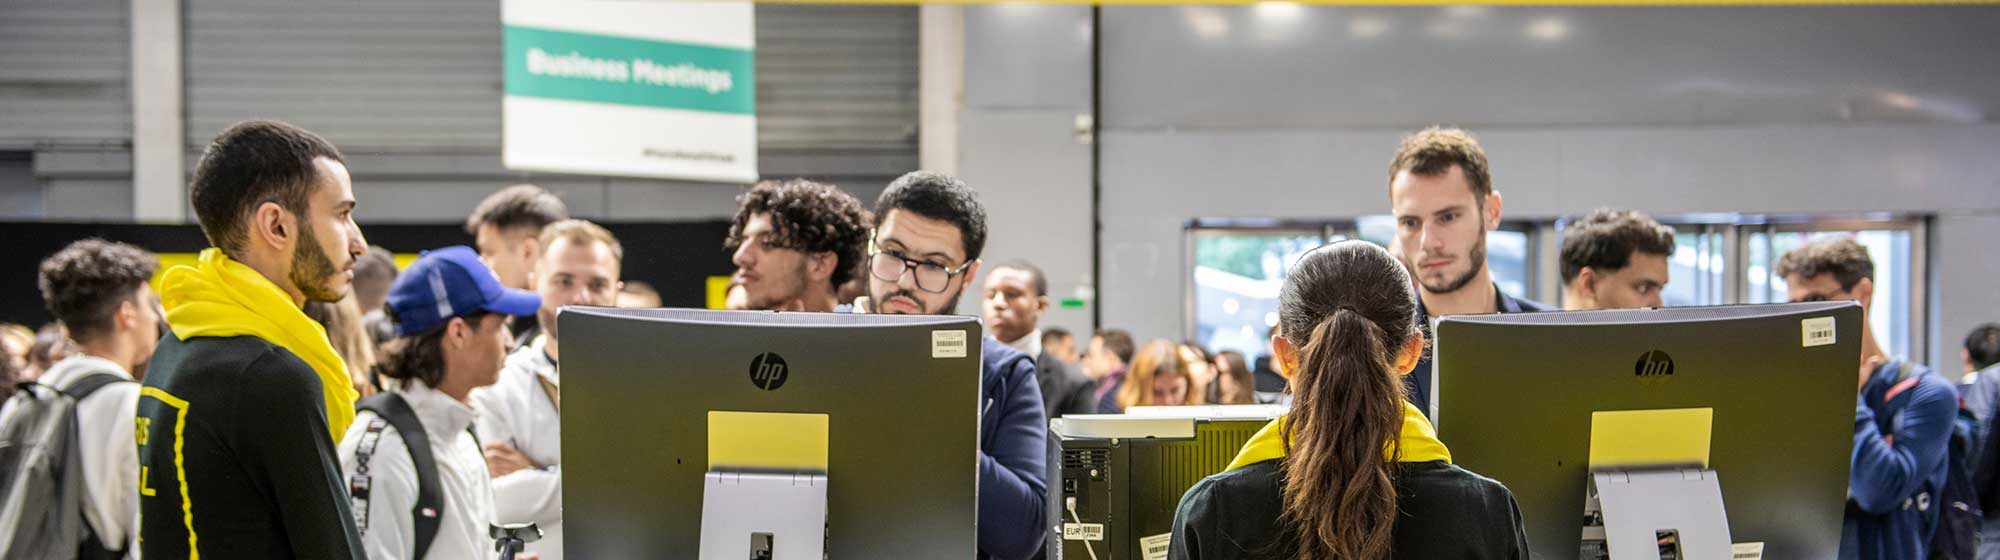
503	460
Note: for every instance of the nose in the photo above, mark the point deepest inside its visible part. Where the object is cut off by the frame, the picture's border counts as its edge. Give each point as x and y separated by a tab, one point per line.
1431	238
357	243
743	258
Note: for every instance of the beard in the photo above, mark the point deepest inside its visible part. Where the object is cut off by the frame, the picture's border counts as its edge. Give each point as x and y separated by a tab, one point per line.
1476	261
950	303
313	270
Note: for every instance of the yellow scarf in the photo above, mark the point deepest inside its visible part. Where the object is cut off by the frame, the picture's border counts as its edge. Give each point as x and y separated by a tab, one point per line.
1419	443
220	297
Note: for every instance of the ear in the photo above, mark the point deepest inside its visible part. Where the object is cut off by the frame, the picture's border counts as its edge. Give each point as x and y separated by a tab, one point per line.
1041	304
457	333
820	265
1586	282
1865	292
273	226
1287	357
1413	352
971	272
1493	211
531	249
127	315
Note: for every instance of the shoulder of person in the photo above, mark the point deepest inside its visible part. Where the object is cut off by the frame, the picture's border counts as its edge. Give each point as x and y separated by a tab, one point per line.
1438	481
276	373
993	353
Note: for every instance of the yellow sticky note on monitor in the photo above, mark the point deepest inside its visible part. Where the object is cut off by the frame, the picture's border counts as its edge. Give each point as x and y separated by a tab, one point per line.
765	441
1650	438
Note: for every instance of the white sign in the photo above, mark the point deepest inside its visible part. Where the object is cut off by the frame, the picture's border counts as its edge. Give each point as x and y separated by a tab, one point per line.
642	89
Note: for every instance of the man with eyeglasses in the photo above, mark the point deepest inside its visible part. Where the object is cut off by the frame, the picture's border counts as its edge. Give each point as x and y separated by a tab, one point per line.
795	242
929	229
1903	420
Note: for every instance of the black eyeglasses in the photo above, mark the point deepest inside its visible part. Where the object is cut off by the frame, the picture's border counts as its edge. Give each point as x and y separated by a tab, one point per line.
889	266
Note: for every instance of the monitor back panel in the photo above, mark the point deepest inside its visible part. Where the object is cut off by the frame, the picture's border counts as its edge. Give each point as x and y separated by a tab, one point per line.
902	436
1515	395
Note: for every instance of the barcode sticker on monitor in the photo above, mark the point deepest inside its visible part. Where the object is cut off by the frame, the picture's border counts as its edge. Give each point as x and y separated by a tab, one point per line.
1155	547
948	344
1747	551
1083	531
1818	331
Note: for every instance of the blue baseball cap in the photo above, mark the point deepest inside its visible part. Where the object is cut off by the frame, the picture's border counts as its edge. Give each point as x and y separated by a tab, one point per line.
452	282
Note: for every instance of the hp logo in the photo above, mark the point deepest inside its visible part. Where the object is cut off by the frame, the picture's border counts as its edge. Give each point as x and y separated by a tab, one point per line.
768	371
1654	368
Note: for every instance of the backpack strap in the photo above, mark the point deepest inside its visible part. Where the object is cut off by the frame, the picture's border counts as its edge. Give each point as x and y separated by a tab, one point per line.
1904	381
430	504
88	384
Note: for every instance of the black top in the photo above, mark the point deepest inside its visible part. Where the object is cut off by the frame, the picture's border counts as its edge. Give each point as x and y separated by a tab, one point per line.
1447	512
237	425
1064	390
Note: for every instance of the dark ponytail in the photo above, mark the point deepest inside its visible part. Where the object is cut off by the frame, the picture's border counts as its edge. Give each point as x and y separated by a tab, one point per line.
1348	309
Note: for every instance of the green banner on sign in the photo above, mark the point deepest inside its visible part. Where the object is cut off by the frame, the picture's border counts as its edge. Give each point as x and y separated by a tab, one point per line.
625	71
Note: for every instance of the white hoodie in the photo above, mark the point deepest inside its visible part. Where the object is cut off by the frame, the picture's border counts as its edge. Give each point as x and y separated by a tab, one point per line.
389	530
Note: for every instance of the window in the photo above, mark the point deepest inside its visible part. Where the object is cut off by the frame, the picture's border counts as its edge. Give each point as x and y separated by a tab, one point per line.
1718	259
1237	274
1896	314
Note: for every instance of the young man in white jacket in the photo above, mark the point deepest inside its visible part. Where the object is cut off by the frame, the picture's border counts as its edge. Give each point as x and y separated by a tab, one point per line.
520	419
451	316
98	291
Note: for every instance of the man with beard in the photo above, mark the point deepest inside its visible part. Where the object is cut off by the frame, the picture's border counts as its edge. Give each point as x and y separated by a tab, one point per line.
519	416
929	229
97	290
1443	200
245	399
795	243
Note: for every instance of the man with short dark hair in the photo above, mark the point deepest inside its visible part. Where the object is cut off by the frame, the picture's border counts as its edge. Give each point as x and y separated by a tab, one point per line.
1442	198
794	243
1058	342
1016	296
520	416
929	230
97	290
246	398
1902	423
1615	259
1107	359
505	228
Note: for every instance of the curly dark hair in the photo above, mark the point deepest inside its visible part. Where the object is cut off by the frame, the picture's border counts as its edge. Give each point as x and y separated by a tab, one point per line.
808	217
939	197
83	284
1843	257
1606	239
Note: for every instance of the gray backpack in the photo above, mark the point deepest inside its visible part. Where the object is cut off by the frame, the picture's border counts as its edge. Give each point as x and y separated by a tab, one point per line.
41	471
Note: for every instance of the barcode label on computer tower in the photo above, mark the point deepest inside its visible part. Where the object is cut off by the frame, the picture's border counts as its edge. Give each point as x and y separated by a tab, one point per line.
1155	547
1083	531
1818	331
948	344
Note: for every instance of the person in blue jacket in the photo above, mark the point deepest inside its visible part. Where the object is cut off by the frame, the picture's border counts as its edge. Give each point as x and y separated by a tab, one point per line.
929	229
1902	420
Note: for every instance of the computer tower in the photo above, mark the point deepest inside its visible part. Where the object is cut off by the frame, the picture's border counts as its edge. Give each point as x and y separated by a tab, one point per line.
1119	479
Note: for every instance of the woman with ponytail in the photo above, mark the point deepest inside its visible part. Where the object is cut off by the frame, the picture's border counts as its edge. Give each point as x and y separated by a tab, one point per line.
1353	472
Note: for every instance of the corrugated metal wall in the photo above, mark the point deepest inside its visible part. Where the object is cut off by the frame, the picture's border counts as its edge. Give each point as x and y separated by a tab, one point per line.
423	76
63	69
